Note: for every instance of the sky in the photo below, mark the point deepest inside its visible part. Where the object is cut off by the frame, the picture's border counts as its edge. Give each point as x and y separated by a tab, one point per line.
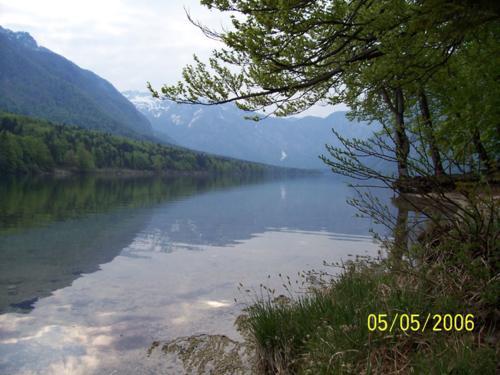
126	42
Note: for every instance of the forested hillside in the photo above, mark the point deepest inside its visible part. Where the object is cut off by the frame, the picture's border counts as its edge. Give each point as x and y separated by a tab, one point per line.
30	145
35	81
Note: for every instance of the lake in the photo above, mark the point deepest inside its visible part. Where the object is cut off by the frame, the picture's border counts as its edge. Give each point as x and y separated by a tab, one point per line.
94	269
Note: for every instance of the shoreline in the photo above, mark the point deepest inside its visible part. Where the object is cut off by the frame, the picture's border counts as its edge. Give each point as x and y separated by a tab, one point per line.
126	173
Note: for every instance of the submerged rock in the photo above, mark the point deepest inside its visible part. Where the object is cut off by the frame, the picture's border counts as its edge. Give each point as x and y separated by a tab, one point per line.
204	354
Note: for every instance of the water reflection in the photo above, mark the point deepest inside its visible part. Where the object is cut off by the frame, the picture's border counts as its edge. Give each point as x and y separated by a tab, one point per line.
27	202
226	217
106	320
145	259
54	230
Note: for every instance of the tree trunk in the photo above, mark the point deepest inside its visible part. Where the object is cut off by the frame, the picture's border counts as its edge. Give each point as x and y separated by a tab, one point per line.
426	115
400	245
400	137
402	143
483	155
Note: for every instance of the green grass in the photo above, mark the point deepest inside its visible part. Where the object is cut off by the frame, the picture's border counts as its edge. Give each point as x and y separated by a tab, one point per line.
452	267
325	331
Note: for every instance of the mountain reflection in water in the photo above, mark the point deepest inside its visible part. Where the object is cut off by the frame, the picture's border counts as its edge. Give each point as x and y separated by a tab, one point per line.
54	230
93	270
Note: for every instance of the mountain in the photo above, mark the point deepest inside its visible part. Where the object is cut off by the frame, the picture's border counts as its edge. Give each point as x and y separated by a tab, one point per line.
223	130
37	82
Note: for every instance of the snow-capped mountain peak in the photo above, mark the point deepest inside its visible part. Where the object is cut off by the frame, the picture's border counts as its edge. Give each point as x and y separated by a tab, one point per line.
223	130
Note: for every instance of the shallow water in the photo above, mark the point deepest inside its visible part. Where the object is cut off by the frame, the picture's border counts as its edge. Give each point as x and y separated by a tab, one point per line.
93	270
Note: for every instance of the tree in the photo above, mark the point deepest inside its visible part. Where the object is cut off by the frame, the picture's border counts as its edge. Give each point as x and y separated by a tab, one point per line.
408	65
290	55
11	154
84	157
36	154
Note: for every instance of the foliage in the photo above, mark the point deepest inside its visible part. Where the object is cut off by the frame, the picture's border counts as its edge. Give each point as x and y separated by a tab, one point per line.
296	53
31	146
394	62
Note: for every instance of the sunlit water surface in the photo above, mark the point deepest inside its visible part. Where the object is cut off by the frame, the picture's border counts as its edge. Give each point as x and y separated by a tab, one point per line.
93	270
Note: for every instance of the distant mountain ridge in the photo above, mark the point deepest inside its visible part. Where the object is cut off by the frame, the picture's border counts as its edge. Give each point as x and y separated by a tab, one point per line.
35	81
223	130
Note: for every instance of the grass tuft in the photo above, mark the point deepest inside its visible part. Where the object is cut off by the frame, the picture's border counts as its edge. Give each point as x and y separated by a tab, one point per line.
325	331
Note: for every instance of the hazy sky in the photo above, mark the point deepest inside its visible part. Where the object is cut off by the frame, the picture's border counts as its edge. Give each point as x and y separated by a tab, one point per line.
124	41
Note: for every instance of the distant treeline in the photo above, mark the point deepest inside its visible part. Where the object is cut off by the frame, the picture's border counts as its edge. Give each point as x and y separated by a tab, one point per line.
30	145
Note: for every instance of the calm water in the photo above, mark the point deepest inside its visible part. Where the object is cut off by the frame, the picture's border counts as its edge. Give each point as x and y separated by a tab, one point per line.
93	270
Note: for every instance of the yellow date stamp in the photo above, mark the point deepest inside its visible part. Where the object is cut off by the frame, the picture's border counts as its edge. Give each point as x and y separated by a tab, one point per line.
420	322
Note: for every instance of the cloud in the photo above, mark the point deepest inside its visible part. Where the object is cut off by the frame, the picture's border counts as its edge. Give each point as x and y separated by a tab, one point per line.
126	42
